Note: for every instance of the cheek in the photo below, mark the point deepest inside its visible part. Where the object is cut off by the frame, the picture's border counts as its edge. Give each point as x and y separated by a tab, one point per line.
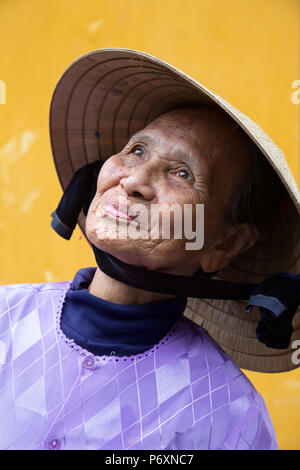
184	202
91	219
213	221
168	193
110	174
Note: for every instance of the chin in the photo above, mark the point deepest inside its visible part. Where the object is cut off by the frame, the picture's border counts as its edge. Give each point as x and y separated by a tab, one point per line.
126	252
120	249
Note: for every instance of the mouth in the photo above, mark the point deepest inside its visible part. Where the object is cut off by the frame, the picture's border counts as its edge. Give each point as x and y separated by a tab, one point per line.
118	212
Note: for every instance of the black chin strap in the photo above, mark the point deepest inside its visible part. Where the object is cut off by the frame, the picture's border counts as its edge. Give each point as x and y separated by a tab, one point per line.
199	285
277	297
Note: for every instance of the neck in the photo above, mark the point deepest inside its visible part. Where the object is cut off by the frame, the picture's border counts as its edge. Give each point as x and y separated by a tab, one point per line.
109	289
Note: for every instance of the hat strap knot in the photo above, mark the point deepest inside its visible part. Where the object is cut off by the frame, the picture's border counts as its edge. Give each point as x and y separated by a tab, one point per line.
278	298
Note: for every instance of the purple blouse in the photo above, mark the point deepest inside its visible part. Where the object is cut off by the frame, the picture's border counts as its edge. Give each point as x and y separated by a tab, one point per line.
183	393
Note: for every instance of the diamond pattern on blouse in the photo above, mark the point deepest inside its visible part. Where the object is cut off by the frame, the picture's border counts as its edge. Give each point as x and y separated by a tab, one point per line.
184	393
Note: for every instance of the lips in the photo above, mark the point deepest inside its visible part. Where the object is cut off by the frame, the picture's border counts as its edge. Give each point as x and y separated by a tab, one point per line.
118	211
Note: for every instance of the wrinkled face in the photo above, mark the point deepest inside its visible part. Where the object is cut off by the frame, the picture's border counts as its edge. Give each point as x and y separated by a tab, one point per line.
186	156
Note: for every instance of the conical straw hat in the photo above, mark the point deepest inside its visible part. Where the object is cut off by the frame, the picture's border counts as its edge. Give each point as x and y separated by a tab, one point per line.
107	95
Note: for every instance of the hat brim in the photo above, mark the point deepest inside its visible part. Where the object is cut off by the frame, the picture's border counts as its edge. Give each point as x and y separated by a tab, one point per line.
107	95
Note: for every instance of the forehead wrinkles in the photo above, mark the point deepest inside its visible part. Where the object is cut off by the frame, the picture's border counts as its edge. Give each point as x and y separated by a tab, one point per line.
170	139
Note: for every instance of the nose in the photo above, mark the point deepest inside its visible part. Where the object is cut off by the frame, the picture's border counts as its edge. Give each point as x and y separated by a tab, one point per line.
138	184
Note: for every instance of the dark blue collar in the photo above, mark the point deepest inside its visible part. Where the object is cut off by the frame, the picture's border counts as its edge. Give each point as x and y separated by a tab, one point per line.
104	327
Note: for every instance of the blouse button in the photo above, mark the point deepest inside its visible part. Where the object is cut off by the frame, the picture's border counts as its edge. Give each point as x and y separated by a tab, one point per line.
89	363
54	444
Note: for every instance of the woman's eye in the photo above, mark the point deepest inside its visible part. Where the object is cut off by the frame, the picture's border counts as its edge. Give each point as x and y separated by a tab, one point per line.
138	150
185	174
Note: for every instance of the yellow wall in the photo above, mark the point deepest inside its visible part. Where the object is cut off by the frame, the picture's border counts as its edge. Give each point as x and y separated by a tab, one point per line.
245	51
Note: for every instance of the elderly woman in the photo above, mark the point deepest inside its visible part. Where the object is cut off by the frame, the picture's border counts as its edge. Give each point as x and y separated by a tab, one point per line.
111	360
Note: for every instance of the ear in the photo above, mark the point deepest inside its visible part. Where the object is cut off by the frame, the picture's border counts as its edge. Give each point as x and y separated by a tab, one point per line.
233	241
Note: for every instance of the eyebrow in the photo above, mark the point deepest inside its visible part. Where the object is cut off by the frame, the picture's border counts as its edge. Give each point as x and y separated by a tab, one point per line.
145	137
185	156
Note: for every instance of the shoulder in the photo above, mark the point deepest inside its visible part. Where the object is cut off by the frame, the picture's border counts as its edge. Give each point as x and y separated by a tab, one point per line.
220	387
199	341
27	311
19	300
210	364
207	359
27	289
